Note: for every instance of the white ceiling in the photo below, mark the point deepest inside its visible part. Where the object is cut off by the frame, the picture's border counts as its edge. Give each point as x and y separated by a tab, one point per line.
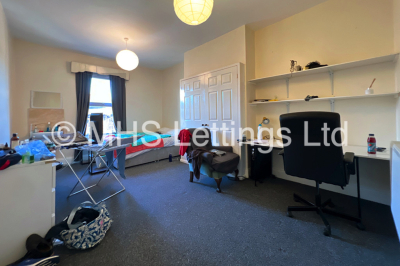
160	39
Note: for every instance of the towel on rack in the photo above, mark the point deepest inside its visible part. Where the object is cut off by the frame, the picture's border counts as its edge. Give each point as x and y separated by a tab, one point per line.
184	136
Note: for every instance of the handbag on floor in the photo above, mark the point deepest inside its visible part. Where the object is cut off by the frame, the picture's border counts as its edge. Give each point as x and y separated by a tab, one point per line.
86	231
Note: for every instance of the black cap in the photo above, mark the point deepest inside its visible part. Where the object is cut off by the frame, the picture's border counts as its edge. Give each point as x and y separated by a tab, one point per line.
371	134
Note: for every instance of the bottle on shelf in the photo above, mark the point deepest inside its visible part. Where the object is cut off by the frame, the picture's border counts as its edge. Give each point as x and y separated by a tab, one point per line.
371	144
48	127
259	133
14	141
36	129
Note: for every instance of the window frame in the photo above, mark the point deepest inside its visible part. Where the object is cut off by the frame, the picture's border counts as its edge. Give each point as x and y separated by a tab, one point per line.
99	104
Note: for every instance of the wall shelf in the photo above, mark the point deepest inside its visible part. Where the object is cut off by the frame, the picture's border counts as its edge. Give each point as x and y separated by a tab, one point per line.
333	98
330	69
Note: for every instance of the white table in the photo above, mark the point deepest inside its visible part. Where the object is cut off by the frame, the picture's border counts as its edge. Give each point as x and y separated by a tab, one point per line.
362	152
359	151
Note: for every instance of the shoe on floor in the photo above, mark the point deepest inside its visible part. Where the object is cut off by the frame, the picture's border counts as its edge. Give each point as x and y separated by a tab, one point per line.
50	261
38	248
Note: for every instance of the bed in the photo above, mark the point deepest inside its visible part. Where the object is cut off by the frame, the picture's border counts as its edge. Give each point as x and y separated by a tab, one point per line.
146	148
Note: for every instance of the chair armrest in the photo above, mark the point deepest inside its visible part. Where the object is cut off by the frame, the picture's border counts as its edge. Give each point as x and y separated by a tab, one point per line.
349	161
223	148
208	157
349	157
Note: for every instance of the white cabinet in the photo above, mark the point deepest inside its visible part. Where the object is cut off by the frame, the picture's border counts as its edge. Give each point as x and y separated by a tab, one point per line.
27	206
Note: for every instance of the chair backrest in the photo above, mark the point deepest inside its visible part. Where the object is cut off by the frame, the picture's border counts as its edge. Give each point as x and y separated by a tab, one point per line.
322	163
201	139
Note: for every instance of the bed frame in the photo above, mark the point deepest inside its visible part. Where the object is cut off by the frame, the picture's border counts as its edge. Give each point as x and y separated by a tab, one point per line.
151	156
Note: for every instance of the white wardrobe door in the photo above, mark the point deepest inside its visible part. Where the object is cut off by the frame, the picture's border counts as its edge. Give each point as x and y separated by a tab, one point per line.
222	103
192	102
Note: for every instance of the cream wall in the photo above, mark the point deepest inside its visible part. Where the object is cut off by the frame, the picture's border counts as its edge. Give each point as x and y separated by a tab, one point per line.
170	94
333	32
340	31
396	16
4	80
220	52
250	74
42	68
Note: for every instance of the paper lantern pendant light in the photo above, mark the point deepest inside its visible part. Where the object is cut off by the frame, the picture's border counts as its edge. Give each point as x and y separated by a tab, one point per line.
193	12
127	59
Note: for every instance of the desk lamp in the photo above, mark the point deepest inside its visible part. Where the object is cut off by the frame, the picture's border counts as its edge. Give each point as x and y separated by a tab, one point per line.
265	121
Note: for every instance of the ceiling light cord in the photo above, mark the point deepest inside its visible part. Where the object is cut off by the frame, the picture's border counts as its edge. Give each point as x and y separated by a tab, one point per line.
127	59
126	42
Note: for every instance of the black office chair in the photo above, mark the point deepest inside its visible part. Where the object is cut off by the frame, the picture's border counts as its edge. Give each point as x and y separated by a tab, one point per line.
324	164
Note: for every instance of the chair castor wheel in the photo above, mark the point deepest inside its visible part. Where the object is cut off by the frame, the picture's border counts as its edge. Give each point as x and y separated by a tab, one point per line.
360	226
331	205
327	231
289	214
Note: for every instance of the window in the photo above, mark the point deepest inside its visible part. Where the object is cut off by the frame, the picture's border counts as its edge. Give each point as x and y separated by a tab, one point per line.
100	102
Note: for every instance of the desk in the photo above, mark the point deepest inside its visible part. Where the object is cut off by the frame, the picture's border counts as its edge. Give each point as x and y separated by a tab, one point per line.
359	152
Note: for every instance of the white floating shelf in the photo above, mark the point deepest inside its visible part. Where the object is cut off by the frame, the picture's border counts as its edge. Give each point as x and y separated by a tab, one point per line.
394	94
329	69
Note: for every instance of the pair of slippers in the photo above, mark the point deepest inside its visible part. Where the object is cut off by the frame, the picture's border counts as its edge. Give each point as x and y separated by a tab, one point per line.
40	253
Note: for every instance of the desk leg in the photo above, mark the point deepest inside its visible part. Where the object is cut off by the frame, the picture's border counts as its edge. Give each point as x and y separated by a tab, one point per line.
359	224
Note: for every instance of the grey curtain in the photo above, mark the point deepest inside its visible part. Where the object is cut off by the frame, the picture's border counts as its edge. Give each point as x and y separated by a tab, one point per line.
118	99
83	81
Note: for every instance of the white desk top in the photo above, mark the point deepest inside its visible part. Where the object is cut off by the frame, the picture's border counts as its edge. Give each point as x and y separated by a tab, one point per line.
265	143
359	151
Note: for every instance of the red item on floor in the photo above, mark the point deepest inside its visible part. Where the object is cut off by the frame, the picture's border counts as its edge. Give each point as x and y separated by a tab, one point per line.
184	136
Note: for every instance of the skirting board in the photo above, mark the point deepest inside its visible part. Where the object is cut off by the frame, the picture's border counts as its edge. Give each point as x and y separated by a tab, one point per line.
69	159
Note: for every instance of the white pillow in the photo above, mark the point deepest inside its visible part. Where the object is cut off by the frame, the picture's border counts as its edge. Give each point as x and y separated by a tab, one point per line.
163	130
171	132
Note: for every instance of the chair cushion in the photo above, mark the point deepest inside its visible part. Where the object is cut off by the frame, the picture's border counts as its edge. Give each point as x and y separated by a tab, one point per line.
227	163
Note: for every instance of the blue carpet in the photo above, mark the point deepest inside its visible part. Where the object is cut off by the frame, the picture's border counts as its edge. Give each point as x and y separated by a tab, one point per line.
162	219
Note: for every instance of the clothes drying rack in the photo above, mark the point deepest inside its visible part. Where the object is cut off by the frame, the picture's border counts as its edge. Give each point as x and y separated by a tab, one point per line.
97	151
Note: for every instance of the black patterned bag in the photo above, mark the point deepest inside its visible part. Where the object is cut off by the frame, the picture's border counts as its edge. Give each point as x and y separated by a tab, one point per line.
86	235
